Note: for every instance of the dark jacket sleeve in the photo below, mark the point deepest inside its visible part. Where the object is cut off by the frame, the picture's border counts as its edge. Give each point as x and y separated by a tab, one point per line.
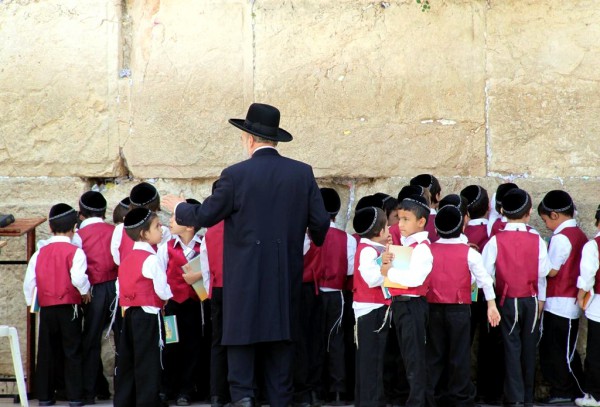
214	209
318	218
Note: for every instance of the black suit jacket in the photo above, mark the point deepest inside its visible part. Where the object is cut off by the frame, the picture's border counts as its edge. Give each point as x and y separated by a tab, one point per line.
268	202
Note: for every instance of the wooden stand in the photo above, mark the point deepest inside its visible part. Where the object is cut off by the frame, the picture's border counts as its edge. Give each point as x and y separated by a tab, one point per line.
18	228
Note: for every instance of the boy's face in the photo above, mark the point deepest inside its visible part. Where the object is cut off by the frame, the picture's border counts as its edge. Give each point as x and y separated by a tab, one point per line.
393	218
552	221
154	234
175	228
409	224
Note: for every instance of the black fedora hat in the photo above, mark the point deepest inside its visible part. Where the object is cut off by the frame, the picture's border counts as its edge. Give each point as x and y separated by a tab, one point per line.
262	121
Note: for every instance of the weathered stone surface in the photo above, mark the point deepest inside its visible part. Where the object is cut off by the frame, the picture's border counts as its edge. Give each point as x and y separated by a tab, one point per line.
58	88
543	87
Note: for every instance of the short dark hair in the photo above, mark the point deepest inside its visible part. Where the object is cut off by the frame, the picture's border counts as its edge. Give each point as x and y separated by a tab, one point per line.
430	182
389	205
380	223
62	218
417	205
121	210
136	233
597	216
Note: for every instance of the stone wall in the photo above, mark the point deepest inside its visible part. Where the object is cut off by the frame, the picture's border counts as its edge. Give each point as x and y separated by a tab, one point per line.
110	92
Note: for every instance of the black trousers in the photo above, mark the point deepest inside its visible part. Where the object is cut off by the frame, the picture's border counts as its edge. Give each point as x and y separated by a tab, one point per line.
520	332
60	336
349	349
277	358
411	318
449	355
309	345
490	353
592	360
219	387
138	373
334	361
371	336
181	359
395	383
558	343
97	314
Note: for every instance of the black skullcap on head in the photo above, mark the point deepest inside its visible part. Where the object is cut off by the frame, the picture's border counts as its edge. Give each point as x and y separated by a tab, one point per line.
418	200
136	217
332	201
193	201
503	189
451	199
448	220
125	202
472	194
409	190
142	194
368	200
364	220
92	201
514	201
382	197
557	201
424	180
62	211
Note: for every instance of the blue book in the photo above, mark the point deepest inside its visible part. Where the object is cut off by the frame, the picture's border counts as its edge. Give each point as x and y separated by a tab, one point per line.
171	332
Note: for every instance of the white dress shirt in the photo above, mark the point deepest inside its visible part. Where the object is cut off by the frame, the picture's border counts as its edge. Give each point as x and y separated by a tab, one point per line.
587	277
421	262
558	253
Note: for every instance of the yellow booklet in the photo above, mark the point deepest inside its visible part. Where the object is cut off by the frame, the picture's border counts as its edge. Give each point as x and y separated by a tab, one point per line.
401	261
193	266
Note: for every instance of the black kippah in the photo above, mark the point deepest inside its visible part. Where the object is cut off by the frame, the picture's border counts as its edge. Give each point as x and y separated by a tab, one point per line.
503	189
364	220
61	210
409	190
367	201
92	201
136	217
142	194
125	202
557	201
448	220
472	194
424	180
418	200
332	201
451	199
381	197
514	201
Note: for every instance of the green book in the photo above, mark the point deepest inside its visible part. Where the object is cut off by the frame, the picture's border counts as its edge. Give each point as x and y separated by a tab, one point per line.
171	332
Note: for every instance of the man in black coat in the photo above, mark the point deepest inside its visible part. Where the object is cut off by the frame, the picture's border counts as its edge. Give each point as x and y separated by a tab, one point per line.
268	203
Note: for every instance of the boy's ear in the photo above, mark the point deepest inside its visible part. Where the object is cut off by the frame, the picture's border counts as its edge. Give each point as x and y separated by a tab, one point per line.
421	222
553	215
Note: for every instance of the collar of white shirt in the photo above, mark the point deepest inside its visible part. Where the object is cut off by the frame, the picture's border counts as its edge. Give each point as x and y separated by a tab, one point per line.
143	246
177	240
478	221
418	237
58	239
516	226
370	242
90	221
571	223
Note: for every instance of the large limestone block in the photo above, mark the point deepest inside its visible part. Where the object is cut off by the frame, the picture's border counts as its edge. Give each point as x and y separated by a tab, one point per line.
191	70
542	63
58	87
359	83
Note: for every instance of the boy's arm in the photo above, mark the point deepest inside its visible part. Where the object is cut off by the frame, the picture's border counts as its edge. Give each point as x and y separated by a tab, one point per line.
482	277
115	243
29	282
489	255
351	248
421	263
204	265
543	269
162	254
369	269
588	267
153	270
558	253
79	278
77	240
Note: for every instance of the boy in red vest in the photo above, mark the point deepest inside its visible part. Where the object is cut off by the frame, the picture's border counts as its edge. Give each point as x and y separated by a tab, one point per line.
430	183
517	257
370	307
496	220
559	360
57	270
143	195
409	306
143	290
181	359
589	282
93	237
405	192
449	297
337	263
121	210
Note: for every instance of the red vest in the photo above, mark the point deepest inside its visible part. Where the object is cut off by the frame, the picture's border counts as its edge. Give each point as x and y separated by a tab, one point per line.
53	275
477	234
214	250
497	226
135	290
95	242
180	289
126	246
564	284
597	284
334	259
362	292
420	290
516	264
450	277
396	235
312	260
430	227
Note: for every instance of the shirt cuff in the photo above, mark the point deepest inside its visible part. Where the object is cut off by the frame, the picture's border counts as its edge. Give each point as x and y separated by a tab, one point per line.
489	293
581	284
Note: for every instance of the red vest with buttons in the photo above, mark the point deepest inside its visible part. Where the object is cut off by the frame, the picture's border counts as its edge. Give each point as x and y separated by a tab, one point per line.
135	290
334	259
181	290
477	234
420	290
597	284
564	284
362	291
95	242
516	264
53	275
214	250
430	228
126	246
312	260
396	235
450	277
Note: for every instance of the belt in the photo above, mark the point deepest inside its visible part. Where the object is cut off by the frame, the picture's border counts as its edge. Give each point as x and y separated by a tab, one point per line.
403	298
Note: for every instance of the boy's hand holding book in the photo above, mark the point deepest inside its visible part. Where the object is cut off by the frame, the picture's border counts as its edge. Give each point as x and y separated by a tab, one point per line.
386	261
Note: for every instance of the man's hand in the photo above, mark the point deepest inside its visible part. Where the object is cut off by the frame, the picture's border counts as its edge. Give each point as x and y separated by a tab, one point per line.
169	202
